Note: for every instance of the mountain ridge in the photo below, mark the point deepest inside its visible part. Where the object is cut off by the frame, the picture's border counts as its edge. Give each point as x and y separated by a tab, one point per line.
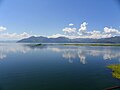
42	39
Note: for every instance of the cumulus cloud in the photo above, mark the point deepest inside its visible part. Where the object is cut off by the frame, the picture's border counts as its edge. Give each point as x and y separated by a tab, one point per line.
56	35
83	27
24	34
8	36
82	32
14	35
69	30
111	31
71	24
2	28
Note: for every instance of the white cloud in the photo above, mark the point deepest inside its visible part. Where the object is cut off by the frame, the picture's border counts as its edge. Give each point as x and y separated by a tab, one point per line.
82	32
62	35
2	28
57	35
14	35
24	34
111	31
83	27
95	32
71	24
69	30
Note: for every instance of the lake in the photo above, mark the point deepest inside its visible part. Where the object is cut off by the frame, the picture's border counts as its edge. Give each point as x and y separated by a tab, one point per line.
57	67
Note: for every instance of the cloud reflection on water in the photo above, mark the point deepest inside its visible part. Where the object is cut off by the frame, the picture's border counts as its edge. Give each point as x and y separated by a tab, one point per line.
6	48
12	48
107	53
70	53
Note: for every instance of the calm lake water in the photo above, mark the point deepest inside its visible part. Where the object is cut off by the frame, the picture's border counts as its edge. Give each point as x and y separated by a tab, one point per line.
55	67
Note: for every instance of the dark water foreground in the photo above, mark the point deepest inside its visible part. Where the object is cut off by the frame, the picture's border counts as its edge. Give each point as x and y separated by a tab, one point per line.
23	67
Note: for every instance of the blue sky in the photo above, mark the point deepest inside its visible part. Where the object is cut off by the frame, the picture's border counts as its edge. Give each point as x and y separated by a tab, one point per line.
48	17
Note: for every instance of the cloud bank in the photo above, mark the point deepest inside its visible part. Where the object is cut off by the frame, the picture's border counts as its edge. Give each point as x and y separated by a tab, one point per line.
82	32
70	32
7	36
14	35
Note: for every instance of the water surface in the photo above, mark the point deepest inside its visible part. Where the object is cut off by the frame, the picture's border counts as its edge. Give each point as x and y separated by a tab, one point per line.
57	67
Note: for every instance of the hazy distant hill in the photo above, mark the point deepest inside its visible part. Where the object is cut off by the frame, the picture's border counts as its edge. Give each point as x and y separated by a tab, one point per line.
42	39
8	41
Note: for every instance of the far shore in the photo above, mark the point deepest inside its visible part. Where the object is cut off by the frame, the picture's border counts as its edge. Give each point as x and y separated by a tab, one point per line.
79	44
94	44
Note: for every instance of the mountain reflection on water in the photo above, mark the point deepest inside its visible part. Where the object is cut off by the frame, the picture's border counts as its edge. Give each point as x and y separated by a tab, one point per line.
68	52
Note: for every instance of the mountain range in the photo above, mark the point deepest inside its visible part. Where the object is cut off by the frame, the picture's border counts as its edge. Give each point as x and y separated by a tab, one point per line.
42	39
